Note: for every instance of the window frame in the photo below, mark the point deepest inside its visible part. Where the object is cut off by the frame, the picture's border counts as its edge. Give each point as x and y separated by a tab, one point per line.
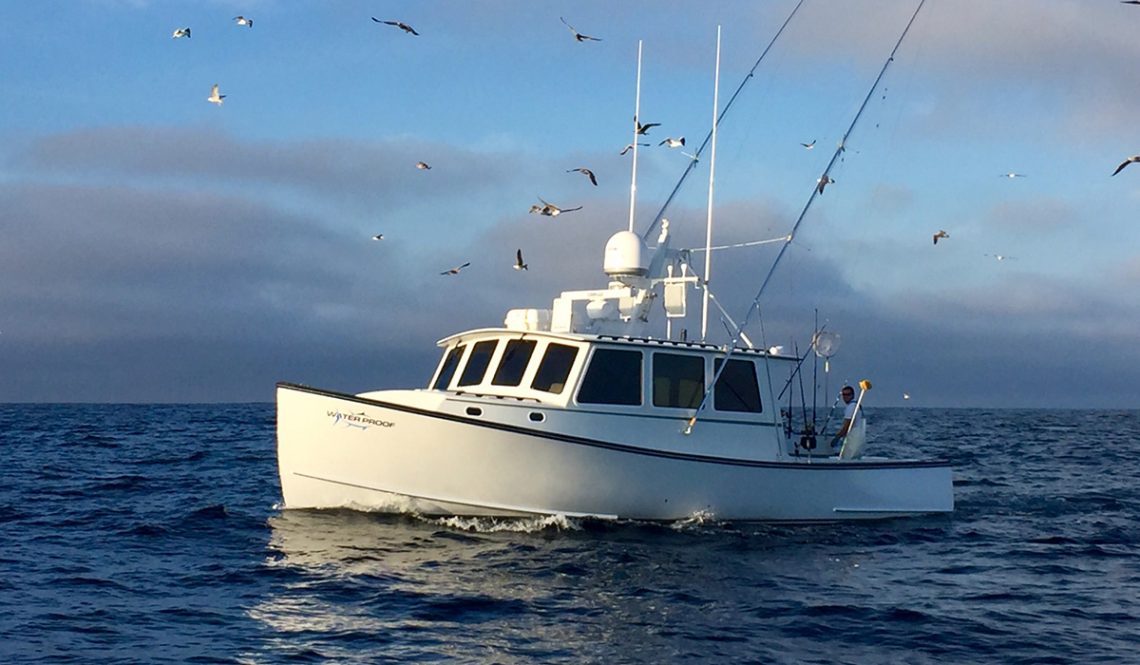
755	384
694	360
462	381
584	383
518	373
576	350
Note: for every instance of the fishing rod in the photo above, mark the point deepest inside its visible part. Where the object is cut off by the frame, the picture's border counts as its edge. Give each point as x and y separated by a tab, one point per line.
816	191
693	162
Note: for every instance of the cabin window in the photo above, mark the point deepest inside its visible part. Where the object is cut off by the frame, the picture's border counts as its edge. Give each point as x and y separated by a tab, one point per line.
614	377
450	362
737	389
678	380
554	368
515	359
477	363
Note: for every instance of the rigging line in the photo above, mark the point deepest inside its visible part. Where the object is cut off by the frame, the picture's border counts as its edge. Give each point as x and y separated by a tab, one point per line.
693	162
838	151
753	243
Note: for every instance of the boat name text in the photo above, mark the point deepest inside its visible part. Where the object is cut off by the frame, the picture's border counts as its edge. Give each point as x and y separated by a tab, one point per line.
357	420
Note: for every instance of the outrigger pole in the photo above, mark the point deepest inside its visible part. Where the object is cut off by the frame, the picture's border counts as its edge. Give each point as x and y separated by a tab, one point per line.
712	178
693	162
799	220
636	124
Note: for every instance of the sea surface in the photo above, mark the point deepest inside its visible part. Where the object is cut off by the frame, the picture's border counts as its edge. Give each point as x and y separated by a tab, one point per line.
154	534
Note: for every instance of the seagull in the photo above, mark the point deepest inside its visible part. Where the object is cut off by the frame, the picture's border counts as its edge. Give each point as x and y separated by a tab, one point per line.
399	24
586	172
1133	158
214	97
808	146
630	147
519	265
906	395
644	129
455	270
940	234
673	143
1002	257
181	32
241	20
423	166
549	209
1012	175
378	236
824	182
577	35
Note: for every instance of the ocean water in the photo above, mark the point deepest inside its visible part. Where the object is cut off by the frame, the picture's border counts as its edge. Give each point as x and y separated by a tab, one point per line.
153	534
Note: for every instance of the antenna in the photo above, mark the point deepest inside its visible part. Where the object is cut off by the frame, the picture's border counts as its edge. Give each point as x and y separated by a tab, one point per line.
712	174
636	118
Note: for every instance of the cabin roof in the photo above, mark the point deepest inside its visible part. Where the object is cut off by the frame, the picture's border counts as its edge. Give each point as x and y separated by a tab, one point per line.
608	340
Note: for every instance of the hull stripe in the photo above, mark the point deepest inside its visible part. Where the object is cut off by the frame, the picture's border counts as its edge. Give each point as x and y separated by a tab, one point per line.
847	465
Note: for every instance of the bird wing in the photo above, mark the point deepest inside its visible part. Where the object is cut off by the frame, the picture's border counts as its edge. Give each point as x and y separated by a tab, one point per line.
1123	164
571	209
590	174
518	256
463	266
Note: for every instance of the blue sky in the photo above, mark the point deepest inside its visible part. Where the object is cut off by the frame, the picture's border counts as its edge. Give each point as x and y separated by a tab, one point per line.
159	248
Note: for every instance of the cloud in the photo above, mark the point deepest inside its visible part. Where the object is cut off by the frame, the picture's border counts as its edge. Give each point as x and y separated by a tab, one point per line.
360	173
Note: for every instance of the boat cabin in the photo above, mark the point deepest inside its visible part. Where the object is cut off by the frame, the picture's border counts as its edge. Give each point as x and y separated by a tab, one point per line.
606	373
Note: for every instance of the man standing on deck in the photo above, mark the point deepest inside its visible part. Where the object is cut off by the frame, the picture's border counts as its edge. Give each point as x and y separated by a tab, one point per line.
848	415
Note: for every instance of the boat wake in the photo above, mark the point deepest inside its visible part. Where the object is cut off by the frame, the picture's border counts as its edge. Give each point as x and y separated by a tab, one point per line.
501	524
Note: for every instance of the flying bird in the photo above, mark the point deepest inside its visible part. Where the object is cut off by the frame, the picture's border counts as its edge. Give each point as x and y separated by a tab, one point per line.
577	35
519	265
906	395
423	166
455	270
1012	175
1002	257
586	172
630	147
940	234
214	97
673	143
399	24
808	146
824	181
1130	160
241	20
378	236
692	157
181	32
644	129
548	209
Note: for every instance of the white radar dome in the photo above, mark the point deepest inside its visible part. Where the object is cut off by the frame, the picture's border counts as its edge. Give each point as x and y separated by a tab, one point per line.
625	255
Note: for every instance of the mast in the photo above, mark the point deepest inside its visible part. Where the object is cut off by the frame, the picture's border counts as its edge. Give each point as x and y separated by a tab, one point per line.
636	119
712	177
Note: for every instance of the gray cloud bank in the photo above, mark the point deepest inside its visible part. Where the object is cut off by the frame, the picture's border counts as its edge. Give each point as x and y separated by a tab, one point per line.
136	268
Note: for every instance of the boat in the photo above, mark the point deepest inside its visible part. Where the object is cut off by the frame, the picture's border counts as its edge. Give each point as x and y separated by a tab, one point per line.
584	409
575	410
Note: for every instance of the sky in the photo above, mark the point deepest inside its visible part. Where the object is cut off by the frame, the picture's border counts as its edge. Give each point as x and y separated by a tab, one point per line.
159	248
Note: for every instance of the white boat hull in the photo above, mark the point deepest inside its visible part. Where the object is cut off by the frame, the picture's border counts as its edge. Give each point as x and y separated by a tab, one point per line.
337	450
